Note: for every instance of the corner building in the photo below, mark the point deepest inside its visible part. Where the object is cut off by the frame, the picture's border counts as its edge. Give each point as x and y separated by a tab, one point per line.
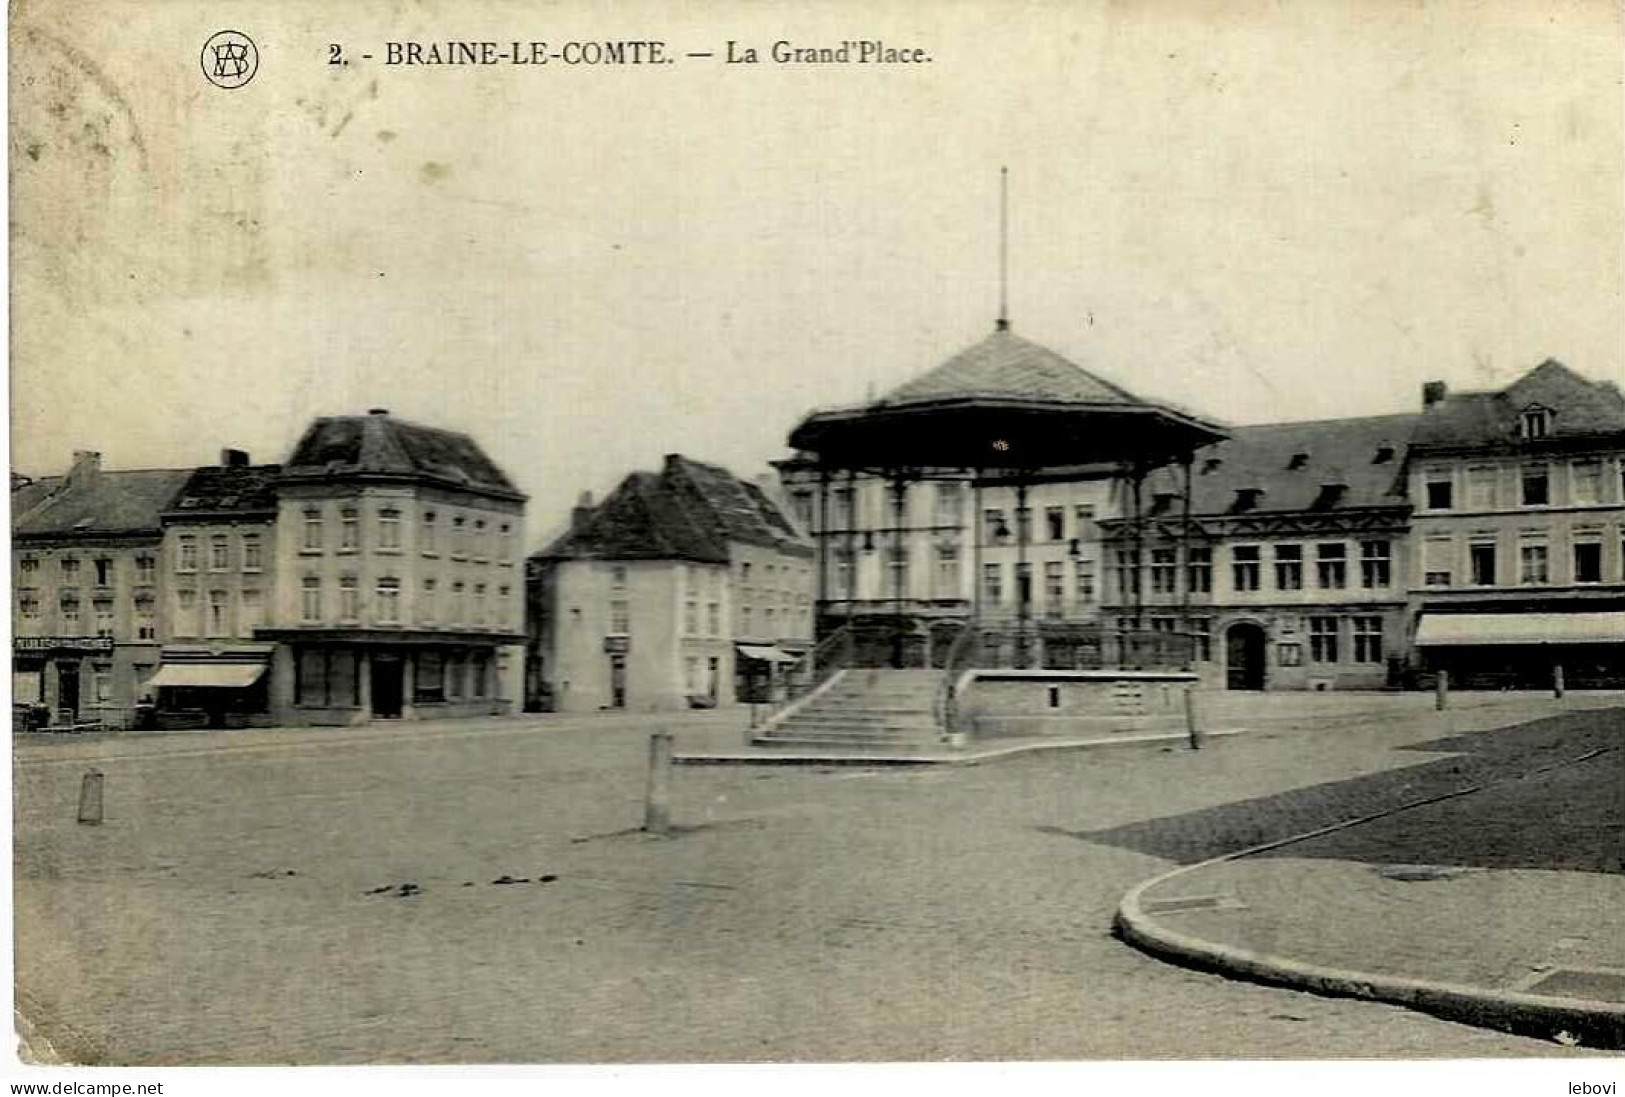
398	590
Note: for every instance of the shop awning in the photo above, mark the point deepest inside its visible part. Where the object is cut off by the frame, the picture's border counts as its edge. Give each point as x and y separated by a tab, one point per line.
1479	629
210	675
765	653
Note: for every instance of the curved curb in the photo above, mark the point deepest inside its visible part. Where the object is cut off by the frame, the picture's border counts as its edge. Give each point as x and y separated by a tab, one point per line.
1567	1020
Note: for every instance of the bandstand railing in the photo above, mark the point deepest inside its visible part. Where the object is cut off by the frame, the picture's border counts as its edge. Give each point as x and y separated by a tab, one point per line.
804	677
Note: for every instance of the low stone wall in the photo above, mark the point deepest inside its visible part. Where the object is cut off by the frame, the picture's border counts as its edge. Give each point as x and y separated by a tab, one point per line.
1010	703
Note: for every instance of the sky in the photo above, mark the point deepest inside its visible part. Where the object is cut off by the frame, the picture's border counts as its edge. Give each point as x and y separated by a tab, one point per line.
1258	211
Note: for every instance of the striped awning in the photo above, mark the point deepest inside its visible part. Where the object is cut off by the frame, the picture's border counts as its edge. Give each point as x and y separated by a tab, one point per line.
209	675
765	653
1479	629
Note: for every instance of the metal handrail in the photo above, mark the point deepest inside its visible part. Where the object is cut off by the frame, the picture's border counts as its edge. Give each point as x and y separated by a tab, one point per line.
961	653
827	658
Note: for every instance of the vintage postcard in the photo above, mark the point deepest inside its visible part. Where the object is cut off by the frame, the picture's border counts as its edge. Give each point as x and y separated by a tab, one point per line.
639	533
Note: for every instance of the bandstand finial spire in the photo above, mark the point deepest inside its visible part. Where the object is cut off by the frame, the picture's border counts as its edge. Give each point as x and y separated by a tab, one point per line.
1003	322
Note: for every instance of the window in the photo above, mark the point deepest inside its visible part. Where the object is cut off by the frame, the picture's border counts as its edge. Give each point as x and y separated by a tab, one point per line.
1083	582
103	609
313	530
186	613
219	552
947	584
713	619
1331	565
479	665
1587	476
349	598
1055	523
481	551
1202	638
1024	525
1164	570
1436	561
1054	587
843	573
1367	639
950	505
1481	563
28	565
146	570
253	613
844	510
327	679
68	603
506	543
426	602
620	617
145	610
186	553
389	530
1536	487
897	564
1084	515
28	604
1289	567
104	572
1323	639
253	552
1126	564
101	682
349	530
1588	562
1245	567
429	679
218	612
1439	490
1535	423
993	528
617	575
388	592
310	595
427	528
70	566
479	604
1481	488
1289	655
455	676
993	584
1375	564
459	538
459	607
1534	566
691	618
1199	569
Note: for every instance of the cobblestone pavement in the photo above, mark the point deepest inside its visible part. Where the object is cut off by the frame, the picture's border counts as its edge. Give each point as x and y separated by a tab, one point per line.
477	894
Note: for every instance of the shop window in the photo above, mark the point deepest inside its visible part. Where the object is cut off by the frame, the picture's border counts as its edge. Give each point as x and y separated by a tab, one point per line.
429	678
325	678
480	672
454	677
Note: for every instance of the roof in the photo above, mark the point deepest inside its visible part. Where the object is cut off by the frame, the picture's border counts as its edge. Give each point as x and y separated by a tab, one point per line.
1295	467
688	511
1580	408
105	502
379	445
227	489
1005	364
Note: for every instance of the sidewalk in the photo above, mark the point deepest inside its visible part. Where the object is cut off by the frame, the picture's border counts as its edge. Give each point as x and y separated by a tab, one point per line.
1487	890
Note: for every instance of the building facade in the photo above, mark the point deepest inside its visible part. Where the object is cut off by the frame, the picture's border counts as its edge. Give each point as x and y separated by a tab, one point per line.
684	588
219	553
89	591
1519	529
1293	573
397	588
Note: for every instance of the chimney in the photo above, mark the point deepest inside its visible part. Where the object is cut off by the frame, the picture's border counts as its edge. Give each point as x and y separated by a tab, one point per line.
581	512
1433	392
233	458
377	411
87	466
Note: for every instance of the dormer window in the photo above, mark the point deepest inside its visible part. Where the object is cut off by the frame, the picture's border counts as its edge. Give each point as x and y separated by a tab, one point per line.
1211	465
1298	460
1330	495
1535	422
1384	455
1246	499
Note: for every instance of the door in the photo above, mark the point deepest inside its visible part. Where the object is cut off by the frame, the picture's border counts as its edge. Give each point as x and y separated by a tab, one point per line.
1244	656
617	681
388	674
67	690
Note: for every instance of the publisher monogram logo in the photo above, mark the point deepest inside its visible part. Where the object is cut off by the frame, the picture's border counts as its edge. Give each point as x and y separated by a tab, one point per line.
229	59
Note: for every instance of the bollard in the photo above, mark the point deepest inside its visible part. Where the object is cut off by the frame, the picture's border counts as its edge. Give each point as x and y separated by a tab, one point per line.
1557	681
1193	726
657	802
90	799
1441	690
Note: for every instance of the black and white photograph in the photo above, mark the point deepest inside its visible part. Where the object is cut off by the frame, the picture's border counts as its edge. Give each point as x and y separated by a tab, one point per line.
676	537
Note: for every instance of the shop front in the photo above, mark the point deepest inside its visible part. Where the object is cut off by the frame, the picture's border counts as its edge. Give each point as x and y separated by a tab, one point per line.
213	687
319	682
76	681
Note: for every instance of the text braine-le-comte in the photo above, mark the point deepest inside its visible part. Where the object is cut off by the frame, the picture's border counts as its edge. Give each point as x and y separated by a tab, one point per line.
646	51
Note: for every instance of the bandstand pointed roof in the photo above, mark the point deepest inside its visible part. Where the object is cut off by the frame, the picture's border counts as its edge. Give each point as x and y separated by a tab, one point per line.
1002	403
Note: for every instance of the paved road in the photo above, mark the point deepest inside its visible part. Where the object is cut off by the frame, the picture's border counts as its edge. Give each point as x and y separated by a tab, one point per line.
243	902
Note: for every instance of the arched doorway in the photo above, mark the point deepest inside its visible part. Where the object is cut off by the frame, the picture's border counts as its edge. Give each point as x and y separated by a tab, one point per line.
1244	656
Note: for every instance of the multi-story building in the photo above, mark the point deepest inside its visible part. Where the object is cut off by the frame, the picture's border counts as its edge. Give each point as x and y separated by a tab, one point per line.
1520	531
397	587
684	587
218	559
1288	561
89	589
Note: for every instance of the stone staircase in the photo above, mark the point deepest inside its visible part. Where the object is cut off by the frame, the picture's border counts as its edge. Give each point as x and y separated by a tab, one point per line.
865	710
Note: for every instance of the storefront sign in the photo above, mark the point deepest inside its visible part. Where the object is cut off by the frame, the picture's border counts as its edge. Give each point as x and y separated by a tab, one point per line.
62	643
617	645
